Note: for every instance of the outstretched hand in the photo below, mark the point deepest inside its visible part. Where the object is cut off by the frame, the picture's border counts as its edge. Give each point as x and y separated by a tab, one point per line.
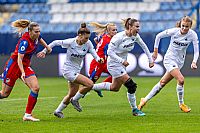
41	54
23	77
101	60
154	56
125	63
193	65
151	65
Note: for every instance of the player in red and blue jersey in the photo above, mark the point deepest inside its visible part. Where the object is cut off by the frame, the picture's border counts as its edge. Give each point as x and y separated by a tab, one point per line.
18	65
105	33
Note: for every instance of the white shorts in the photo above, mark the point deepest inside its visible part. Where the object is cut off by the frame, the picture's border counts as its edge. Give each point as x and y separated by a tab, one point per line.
116	71
171	65
70	74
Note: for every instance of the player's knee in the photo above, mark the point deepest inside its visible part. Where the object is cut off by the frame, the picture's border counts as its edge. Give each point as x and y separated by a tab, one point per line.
35	89
162	83
131	86
181	81
3	95
89	85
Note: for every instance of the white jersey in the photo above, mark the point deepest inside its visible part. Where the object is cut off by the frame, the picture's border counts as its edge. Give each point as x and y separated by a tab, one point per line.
178	44
121	44
75	53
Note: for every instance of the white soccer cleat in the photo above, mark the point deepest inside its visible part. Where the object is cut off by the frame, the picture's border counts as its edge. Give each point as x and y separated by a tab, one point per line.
29	117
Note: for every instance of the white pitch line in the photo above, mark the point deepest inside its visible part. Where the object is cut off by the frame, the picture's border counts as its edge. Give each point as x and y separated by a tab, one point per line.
21	99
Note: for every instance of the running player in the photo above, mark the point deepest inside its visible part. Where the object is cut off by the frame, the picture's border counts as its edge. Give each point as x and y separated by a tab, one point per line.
181	37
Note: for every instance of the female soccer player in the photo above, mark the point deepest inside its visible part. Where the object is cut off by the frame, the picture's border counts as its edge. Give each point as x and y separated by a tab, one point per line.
18	66
174	59
118	49
106	32
77	48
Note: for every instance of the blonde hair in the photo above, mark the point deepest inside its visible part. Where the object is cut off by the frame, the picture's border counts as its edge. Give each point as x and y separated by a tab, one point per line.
22	24
128	21
100	28
186	19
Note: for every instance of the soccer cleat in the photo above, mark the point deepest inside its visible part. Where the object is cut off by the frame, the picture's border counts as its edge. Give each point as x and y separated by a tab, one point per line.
99	93
137	112
76	105
59	114
29	117
185	108
142	103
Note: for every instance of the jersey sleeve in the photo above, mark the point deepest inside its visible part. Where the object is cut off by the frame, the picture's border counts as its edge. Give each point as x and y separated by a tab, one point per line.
92	51
22	46
165	33
63	43
145	48
195	46
112	48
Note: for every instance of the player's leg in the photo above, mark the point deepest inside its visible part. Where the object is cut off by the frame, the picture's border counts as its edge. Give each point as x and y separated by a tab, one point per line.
73	88
131	87
9	76
32	83
156	89
180	89
87	86
95	72
6	90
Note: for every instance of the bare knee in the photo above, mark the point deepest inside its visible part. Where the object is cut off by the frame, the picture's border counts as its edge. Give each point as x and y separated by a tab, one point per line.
115	89
35	89
89	85
180	81
4	95
163	82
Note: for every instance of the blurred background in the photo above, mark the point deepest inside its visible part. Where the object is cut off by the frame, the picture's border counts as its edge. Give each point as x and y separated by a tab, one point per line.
60	19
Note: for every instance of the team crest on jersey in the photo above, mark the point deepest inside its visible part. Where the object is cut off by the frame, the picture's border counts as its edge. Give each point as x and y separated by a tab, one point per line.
22	48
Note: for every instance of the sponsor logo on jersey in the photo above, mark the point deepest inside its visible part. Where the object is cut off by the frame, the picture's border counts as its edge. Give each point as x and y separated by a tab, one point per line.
129	45
180	44
77	55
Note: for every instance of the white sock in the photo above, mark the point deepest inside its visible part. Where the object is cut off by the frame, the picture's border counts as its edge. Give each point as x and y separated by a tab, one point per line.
102	86
155	90
180	93
78	96
61	107
132	100
27	115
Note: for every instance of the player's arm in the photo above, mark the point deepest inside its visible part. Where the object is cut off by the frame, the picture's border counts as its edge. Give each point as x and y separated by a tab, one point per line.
146	50
64	43
21	51
94	54
163	34
45	45
196	51
112	47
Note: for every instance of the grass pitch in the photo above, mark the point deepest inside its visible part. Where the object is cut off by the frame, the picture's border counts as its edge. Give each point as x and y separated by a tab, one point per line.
110	114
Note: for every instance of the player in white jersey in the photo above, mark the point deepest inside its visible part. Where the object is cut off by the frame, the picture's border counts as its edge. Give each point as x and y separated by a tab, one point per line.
77	48
174	59
118	49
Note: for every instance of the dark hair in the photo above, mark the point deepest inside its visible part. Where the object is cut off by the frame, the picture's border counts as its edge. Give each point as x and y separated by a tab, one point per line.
129	21
83	29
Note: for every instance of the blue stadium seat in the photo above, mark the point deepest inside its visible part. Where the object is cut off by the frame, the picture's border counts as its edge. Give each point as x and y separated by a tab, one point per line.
165	6
145	16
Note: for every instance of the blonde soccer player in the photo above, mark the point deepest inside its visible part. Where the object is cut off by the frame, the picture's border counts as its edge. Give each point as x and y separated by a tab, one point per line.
181	38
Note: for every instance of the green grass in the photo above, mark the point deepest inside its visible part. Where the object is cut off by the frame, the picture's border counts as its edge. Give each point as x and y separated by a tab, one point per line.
110	114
